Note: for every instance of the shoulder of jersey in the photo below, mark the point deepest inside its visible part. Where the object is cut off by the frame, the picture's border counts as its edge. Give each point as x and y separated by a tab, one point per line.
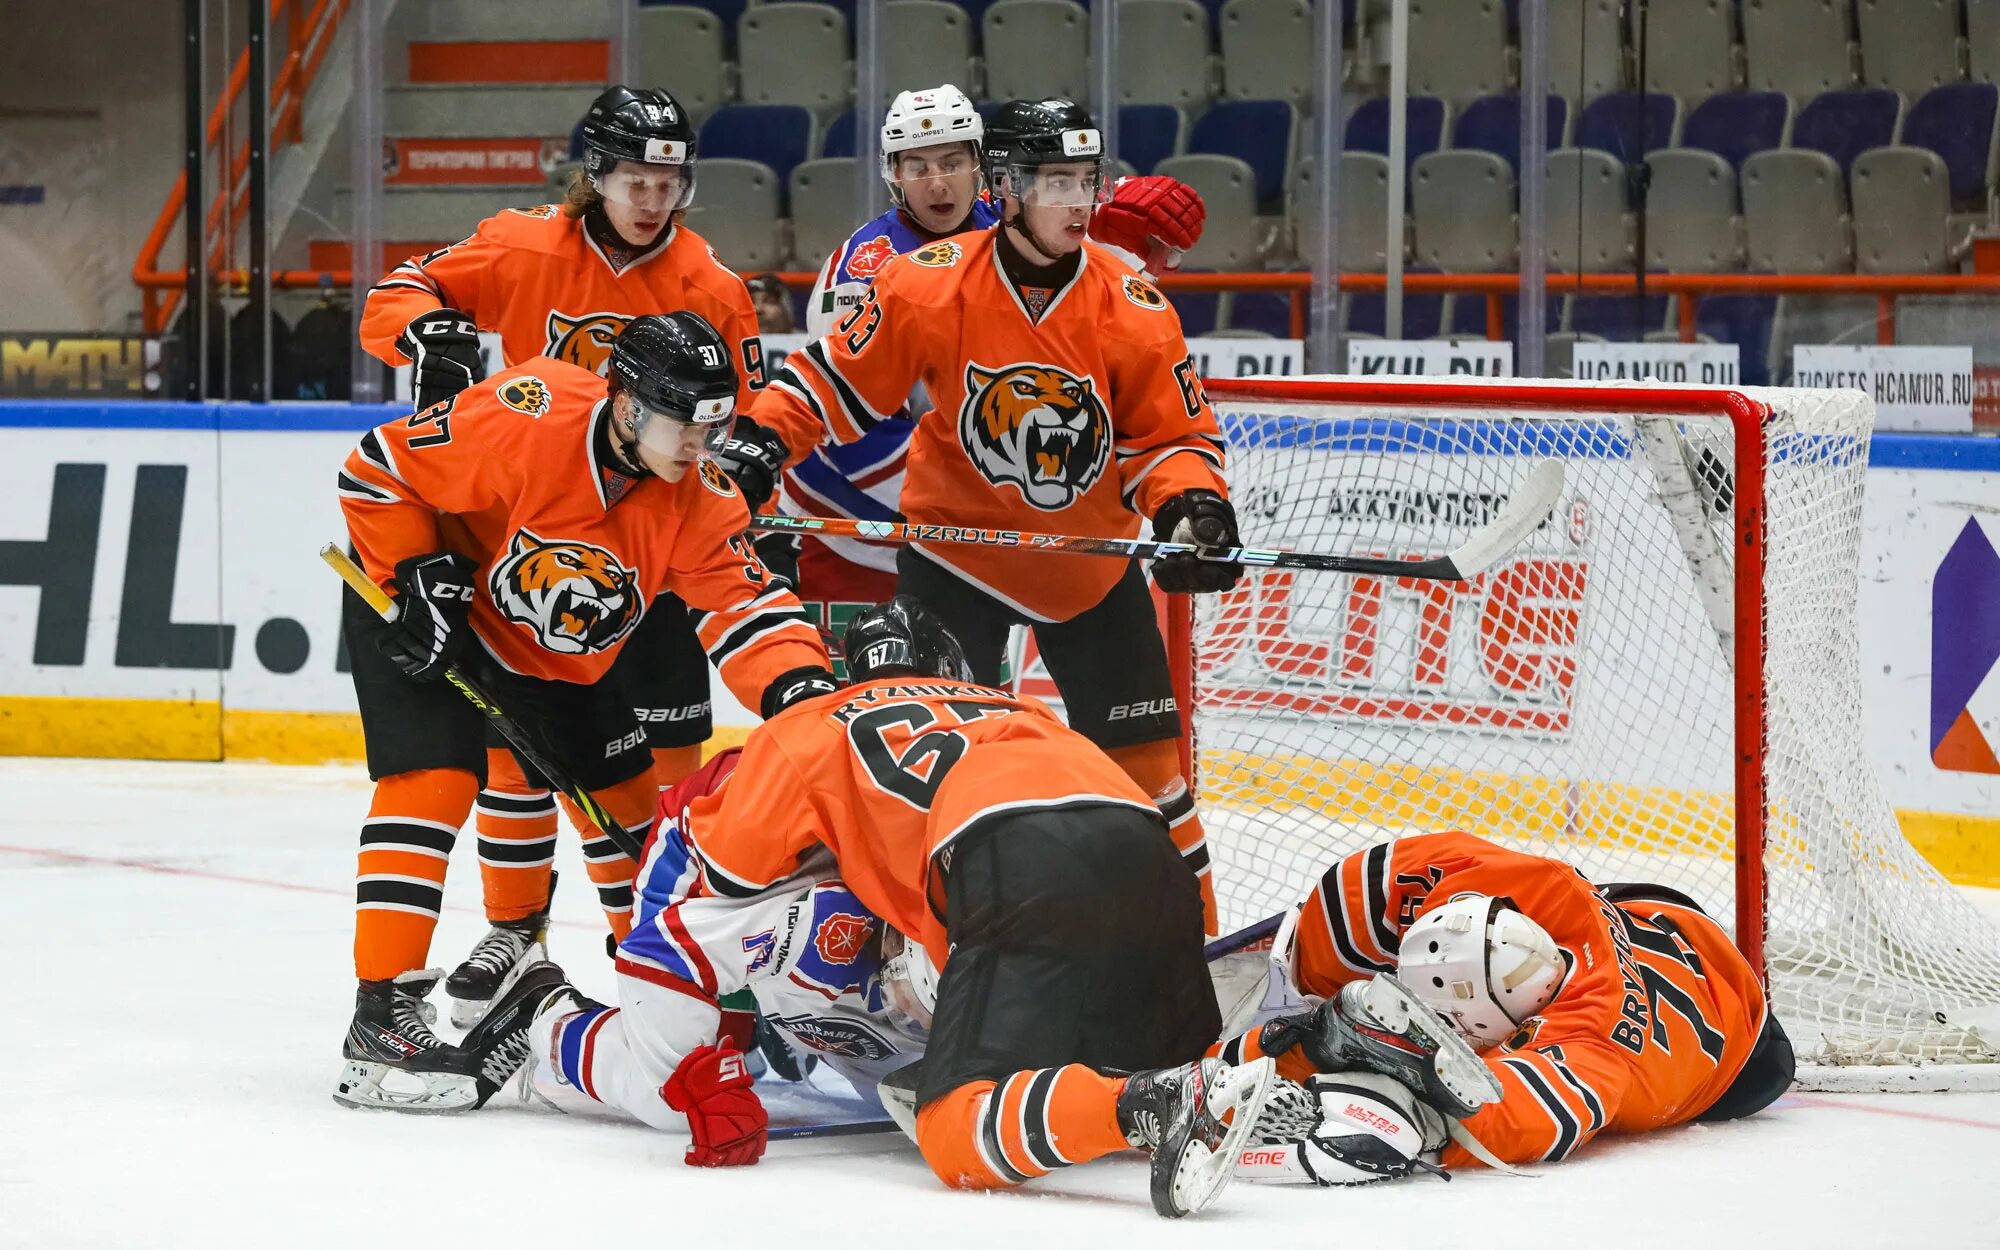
544	228
936	270
696	257
535	388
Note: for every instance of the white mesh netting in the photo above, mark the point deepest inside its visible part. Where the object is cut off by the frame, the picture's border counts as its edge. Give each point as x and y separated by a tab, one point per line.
1577	699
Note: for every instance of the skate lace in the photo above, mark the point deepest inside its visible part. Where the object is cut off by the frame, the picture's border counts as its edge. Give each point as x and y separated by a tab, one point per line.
414	1018
506	1057
498	950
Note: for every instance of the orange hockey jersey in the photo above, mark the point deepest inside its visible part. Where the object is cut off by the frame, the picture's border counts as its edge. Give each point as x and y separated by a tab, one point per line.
512	473
1658	1013
1072	423
885	775
537	278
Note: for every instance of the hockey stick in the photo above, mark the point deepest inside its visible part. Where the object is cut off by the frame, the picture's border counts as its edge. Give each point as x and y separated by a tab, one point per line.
1228	944
1526	509
385	607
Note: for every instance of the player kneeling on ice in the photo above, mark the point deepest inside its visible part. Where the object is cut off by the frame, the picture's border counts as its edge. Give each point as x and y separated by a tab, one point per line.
976	823
1613	1009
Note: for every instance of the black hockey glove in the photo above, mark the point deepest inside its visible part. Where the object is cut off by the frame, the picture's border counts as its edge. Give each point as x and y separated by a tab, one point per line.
435	597
443	347
1206	519
753	456
780	554
796	685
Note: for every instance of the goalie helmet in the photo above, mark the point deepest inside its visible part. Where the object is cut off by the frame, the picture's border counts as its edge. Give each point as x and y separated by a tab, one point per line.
909	978
902	638
921	119
643	125
1482	964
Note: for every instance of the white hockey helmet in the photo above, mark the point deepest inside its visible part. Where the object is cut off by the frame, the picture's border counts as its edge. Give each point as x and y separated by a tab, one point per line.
920	119
1481	963
909	978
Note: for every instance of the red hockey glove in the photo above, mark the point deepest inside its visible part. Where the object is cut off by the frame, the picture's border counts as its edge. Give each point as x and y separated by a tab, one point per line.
1155	219
712	1089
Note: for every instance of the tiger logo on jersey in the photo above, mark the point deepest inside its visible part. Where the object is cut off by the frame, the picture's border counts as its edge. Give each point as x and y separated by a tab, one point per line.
1037	427
576	598
527	394
583	340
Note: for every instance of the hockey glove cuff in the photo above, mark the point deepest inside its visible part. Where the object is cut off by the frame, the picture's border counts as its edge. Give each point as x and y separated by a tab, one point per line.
796	685
443	347
754	456
711	1087
434	598
1205	519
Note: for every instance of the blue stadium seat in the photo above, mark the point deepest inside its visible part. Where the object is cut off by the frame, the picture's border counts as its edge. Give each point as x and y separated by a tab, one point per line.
776	135
1744	320
1149	134
1612	123
1257	132
1423	315
1267	311
1956	121
727	10
1844	124
1736	124
1197	309
839	140
1493	124
1613	318
1368	126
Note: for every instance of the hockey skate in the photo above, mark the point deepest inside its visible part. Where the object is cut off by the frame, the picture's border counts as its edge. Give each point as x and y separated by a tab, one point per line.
496	959
394	1061
1379	1026
498	1047
1180	1114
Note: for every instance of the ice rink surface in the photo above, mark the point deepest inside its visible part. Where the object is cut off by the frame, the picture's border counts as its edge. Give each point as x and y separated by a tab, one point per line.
177	938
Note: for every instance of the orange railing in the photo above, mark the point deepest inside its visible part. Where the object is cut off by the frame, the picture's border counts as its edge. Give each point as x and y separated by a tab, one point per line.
310	36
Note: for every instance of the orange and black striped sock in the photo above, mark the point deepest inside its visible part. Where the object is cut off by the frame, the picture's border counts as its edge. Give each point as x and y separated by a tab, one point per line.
1156	767
517	839
399	880
631	804
672	765
989	1135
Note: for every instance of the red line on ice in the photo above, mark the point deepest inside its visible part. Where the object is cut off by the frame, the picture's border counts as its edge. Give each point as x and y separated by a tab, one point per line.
1837	1104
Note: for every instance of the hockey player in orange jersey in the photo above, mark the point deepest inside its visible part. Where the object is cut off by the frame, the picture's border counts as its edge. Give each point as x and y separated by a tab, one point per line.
526	526
560	280
1612	1009
1063	398
1071	1018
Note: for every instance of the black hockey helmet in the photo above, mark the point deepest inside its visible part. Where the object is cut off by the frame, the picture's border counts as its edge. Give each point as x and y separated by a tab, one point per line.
1026	133
902	638
640	124
676	366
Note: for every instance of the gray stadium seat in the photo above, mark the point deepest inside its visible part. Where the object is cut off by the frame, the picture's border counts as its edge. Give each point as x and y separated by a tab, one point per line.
1982	30
1902	203
796	54
1799	47
1231	238
1163	55
1365	236
1458	48
924	43
1795	213
822	208
682	46
1462	210
1036	48
1589	229
1267	50
1908	45
1690	48
1843	319
1559	352
1691	222
1586	48
737	212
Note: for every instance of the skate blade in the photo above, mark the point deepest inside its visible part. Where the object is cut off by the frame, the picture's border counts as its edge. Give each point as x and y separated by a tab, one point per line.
1202	1174
377	1087
1459	1068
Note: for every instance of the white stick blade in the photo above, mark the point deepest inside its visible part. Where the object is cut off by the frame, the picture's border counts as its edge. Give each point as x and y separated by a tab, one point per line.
1527	508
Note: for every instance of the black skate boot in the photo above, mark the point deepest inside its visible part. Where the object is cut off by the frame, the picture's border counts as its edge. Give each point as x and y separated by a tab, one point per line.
496	959
1377	1025
394	1061
498	1047
1178	1114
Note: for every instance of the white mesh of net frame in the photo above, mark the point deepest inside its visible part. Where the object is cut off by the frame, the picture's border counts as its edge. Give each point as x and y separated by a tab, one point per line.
1310	744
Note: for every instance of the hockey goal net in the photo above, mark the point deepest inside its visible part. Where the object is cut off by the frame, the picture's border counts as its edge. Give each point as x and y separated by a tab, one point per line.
1662	683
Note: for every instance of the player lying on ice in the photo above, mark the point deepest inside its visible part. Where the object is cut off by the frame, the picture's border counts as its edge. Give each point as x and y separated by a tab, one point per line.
972	821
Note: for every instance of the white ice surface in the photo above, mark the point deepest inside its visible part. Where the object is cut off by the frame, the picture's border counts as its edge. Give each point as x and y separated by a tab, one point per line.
176	941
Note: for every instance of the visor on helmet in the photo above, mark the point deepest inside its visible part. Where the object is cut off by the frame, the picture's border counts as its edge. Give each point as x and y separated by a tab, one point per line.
674	433
664	186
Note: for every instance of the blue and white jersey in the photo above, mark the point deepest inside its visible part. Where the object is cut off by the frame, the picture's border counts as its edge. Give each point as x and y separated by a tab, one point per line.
864	480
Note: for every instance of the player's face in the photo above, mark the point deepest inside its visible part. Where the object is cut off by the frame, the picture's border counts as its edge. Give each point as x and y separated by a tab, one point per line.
640	199
665	444
938	184
1056	203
